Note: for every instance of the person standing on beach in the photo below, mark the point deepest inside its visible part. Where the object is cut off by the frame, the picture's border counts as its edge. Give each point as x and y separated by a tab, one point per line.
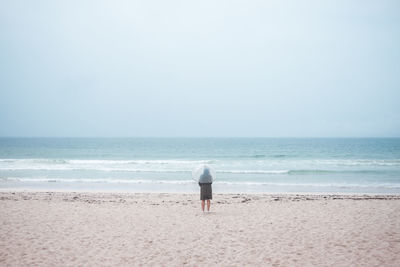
205	182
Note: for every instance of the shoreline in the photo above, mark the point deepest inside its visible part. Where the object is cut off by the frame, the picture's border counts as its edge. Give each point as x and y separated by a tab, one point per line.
77	196
111	192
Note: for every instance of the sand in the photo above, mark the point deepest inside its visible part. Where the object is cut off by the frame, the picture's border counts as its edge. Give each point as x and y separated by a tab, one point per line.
106	229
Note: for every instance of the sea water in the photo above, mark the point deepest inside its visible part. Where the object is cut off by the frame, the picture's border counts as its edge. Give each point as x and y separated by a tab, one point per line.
242	165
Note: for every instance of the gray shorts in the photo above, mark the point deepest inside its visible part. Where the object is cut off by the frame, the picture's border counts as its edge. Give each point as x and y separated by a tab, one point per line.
205	191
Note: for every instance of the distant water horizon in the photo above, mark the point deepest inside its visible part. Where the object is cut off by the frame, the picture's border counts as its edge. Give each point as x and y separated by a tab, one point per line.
164	164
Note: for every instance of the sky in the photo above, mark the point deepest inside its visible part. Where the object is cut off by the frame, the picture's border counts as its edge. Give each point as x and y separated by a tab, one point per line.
186	68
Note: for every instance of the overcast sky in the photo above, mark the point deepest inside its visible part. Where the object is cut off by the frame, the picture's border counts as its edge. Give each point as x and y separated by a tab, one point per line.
200	68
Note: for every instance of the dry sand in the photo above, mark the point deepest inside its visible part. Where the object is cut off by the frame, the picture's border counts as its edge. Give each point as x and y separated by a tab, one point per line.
99	229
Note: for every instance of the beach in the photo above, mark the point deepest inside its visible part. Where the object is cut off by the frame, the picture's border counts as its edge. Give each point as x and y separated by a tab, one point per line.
152	229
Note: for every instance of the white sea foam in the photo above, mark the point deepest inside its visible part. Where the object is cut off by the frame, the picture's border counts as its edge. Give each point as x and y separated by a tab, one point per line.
183	164
188	182
258	174
90	180
360	162
255	171
336	185
101	165
106	161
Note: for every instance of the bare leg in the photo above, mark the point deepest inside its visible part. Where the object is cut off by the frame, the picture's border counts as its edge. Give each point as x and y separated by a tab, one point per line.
208	205
202	205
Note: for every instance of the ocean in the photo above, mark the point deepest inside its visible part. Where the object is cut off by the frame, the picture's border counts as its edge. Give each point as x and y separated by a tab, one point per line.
242	165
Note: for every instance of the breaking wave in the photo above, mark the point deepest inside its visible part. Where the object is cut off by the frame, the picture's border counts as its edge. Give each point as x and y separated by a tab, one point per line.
191	182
